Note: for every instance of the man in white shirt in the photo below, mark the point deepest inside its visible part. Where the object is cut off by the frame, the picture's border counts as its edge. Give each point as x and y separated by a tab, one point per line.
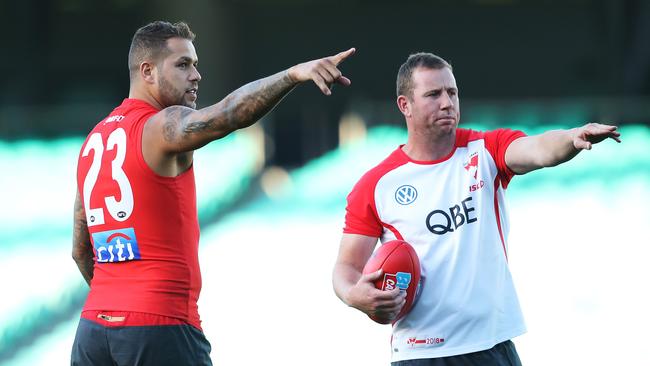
443	192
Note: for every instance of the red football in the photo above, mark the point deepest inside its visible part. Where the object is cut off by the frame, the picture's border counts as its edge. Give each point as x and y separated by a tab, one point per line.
401	267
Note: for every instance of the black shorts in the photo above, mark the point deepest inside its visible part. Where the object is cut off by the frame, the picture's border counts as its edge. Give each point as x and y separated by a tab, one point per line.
503	354
98	345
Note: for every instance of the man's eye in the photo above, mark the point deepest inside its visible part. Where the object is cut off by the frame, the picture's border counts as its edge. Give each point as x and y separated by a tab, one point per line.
183	65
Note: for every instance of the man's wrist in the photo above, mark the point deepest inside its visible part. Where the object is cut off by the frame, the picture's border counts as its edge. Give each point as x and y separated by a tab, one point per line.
574	135
290	75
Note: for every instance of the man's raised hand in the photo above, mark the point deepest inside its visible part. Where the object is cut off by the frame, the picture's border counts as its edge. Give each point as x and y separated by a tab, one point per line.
593	133
324	72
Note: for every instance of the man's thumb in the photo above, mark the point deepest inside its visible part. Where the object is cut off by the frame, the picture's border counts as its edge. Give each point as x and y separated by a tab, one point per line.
373	276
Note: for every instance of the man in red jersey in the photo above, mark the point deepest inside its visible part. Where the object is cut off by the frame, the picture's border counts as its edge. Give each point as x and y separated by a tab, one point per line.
135	221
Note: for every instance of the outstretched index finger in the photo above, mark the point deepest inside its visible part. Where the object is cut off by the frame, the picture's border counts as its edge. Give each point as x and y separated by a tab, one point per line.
339	57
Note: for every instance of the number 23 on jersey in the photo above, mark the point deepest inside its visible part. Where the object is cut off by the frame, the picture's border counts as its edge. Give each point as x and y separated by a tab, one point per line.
119	210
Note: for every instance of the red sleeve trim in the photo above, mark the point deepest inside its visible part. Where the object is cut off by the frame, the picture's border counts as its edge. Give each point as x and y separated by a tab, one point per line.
497	142
361	212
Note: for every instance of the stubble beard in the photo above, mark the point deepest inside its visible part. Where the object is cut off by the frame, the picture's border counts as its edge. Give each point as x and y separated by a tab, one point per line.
172	96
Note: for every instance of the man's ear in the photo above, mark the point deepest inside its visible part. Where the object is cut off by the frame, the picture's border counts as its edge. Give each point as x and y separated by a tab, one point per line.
404	105
147	72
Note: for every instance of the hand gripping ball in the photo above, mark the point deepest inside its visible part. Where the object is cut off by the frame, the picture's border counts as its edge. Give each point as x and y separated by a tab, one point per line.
401	269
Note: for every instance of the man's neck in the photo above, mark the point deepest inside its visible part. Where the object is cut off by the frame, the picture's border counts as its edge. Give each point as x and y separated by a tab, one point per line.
427	147
136	92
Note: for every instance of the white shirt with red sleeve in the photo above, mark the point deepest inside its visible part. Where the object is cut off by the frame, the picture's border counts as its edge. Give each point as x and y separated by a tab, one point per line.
453	212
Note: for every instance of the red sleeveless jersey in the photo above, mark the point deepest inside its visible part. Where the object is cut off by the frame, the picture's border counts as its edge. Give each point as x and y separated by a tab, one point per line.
143	227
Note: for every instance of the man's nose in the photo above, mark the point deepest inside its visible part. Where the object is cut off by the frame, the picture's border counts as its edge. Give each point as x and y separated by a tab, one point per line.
447	101
196	76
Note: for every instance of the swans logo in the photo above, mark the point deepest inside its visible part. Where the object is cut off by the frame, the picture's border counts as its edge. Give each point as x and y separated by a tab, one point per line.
405	195
471	165
116	246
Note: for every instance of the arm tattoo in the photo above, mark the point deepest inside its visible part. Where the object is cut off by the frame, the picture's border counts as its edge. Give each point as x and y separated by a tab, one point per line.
81	247
243	107
254	100
196	127
174	116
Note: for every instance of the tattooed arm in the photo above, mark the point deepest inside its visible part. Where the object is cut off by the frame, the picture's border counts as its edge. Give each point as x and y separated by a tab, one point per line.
82	251
177	129
185	129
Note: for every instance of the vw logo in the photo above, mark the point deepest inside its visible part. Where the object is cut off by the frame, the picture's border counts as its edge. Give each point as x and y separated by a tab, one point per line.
405	195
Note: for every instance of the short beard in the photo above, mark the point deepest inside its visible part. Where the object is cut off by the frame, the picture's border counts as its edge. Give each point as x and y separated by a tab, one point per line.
168	94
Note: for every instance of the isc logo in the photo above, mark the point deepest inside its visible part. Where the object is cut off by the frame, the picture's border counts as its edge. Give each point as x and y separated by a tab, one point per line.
116	246
477	186
399	279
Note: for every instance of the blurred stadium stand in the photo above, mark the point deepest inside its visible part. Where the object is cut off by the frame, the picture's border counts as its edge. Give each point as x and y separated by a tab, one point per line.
531	64
70	62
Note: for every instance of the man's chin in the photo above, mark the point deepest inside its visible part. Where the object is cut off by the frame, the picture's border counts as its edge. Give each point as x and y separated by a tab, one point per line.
188	104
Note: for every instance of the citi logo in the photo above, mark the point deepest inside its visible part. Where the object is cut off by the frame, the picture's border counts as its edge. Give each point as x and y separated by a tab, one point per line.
472	165
116	246
405	195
